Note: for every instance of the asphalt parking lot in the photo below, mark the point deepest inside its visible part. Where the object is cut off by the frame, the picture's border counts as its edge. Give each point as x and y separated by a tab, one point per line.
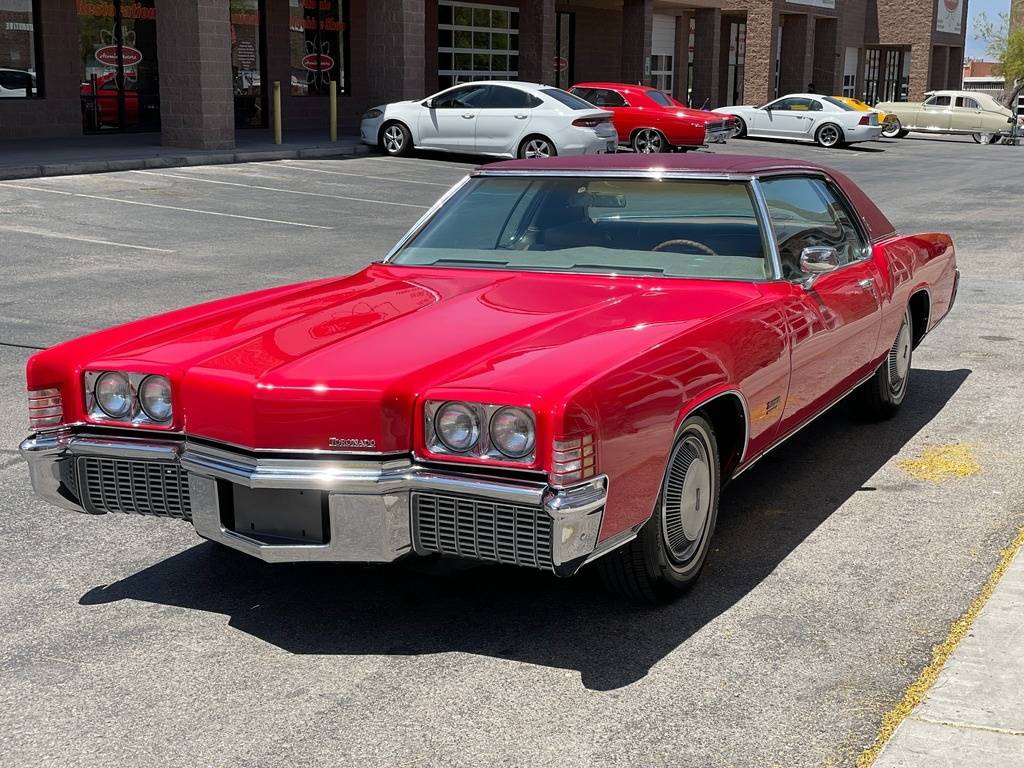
129	641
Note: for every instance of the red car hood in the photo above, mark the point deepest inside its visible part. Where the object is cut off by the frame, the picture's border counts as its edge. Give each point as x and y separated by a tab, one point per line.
291	367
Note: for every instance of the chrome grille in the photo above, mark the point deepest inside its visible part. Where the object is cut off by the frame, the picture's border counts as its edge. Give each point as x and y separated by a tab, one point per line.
482	530
134	487
716	125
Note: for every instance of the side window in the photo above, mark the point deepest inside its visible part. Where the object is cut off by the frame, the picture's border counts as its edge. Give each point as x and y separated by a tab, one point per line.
814	106
587	94
937	101
605	98
805	212
459	97
966	101
502	97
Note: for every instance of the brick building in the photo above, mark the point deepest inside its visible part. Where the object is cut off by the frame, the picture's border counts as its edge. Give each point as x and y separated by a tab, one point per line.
198	70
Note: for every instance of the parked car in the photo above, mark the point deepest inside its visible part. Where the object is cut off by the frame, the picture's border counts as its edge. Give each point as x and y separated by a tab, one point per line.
651	121
102	109
504	119
561	363
16	83
884	118
806	117
954	112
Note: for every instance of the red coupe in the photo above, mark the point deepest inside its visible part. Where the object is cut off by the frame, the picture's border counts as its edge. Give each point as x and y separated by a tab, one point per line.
649	120
562	362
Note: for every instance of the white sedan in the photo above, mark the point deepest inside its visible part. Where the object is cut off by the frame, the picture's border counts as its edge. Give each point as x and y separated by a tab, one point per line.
806	117
504	119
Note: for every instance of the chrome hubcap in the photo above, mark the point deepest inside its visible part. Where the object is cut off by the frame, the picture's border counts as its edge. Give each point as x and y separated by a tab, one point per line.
899	360
829	135
891	128
686	504
648	141
393	139
537	148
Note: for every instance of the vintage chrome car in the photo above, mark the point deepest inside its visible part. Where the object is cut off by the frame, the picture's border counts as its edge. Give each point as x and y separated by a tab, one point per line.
824	120
561	362
957	112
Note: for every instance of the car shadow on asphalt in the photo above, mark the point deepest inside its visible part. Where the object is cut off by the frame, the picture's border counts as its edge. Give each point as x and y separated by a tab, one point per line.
532	617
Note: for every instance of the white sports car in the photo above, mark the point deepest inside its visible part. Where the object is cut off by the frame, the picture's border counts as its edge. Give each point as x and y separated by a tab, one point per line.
505	119
806	117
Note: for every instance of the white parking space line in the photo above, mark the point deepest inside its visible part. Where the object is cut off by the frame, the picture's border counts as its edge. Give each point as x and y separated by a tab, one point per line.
417	163
279	189
76	238
166	207
291	165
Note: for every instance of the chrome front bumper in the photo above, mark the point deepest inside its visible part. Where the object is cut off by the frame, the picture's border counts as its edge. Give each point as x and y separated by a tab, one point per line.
369	508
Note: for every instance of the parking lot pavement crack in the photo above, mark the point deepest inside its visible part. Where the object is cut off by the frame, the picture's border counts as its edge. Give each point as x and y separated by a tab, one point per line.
14	345
967	726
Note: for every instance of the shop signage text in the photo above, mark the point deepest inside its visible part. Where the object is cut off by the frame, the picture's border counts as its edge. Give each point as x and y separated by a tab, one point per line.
318	62
108	55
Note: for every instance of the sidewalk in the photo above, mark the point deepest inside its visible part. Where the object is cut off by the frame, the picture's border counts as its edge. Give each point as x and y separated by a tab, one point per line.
974	713
28	158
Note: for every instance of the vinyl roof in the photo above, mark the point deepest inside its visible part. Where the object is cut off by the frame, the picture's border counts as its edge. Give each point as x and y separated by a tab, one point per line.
692	162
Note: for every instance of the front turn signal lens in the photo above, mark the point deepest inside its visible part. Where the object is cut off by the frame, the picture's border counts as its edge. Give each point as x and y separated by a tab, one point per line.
45	409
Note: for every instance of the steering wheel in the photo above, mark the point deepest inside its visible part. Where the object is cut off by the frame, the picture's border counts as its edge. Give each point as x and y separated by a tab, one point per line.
681	241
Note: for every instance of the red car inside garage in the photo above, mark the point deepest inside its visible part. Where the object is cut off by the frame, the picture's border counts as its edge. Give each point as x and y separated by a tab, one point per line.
649	120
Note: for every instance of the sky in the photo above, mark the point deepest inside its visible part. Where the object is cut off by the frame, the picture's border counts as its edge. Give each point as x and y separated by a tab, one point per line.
992	9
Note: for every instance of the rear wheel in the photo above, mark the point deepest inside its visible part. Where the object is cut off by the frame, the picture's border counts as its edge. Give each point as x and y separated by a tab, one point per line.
985	138
893	129
829	135
649	141
537	147
396	140
666	558
881	396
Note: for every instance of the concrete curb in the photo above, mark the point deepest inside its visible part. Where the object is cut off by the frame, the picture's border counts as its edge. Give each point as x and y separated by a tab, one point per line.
176	161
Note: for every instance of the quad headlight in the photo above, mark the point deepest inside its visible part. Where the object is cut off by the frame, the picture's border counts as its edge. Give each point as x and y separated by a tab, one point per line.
128	396
480	430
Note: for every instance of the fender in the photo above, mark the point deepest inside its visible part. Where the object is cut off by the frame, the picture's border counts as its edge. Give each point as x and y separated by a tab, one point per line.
706	397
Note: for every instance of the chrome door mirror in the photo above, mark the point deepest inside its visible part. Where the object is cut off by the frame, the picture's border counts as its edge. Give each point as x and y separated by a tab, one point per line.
818	259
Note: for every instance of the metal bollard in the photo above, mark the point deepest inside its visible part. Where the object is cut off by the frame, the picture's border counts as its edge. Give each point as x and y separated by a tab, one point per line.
277	111
333	91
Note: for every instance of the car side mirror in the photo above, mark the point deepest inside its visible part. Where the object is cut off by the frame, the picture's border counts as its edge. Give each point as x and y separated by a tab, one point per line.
429	103
817	260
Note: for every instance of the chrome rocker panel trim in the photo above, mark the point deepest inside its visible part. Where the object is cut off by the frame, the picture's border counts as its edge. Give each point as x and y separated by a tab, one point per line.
368	501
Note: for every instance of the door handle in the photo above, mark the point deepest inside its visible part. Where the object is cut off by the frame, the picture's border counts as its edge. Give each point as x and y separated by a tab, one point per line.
468	116
520	117
867	283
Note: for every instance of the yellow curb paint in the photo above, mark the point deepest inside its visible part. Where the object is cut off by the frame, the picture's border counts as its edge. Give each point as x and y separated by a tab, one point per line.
915	694
938	462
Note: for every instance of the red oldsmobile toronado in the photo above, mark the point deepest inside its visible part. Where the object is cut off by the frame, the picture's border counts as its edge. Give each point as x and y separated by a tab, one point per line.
561	362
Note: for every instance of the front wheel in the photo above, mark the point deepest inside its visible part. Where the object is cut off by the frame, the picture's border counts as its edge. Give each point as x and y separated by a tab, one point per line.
739	129
396	140
534	147
829	135
893	129
881	396
666	558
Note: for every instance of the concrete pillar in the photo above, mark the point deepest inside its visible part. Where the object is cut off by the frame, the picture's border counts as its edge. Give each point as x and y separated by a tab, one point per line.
637	24
395	29
920	62
681	58
537	23
827	71
197	107
762	38
797	57
939	67
707	57
955	70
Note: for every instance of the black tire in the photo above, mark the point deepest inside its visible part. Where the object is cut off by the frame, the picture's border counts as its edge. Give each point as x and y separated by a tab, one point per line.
902	134
829	135
985	138
893	129
395	139
649	141
881	396
663	561
531	147
741	128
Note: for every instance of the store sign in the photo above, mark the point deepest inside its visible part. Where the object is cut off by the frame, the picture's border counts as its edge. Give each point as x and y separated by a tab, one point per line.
107	55
318	62
949	16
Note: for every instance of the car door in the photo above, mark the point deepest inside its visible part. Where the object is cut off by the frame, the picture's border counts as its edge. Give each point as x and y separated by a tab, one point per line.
503	113
833	317
936	114
966	115
448	120
788	118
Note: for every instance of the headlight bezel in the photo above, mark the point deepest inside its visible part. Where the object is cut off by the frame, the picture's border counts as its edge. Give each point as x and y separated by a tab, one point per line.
484	448
136	415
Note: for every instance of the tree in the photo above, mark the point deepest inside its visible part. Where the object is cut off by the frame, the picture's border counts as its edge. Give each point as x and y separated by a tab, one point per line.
1006	46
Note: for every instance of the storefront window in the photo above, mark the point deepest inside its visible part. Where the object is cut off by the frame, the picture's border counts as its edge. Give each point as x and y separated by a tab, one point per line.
319	45
19	78
120	83
246	59
476	42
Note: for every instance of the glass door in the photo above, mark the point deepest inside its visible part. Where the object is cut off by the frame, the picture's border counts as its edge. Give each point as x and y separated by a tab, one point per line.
120	82
247	56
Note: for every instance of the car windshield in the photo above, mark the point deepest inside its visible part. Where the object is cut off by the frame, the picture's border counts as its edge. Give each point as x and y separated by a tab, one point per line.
837	103
664	227
573	102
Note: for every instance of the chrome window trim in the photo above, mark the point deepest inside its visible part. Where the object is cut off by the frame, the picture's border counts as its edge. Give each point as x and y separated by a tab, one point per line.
423	220
621	173
767	228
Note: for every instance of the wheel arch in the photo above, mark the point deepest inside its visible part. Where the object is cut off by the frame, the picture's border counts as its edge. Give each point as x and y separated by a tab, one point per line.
535	135
392	121
920	305
729	416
